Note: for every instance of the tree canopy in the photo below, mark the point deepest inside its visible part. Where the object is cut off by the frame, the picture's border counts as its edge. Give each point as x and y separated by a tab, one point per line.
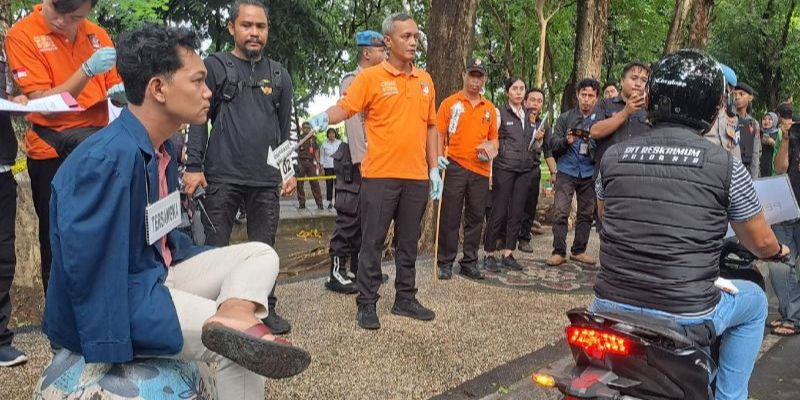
760	39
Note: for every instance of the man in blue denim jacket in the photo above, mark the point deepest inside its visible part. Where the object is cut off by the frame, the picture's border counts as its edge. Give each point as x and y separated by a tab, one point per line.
124	283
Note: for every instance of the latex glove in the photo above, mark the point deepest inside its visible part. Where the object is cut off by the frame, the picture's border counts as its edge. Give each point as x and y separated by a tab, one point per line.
437	186
117	93
443	163
101	61
319	122
482	156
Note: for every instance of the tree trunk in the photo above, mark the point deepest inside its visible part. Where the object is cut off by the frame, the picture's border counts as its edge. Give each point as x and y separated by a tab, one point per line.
451	30
676	28
701	26
768	67
591	25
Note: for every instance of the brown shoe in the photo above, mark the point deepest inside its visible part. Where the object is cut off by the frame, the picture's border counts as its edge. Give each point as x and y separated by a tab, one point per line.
583	259
555	260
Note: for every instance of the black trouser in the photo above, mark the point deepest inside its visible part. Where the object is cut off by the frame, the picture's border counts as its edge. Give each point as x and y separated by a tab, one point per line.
465	193
509	193
530	206
329	185
566	187
384	200
262	206
41	173
8	259
346	237
307	169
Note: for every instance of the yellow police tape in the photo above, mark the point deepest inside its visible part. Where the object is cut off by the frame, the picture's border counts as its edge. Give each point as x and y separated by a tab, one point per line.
19	166
316	178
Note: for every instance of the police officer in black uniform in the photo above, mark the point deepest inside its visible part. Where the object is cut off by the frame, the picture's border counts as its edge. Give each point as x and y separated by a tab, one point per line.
666	199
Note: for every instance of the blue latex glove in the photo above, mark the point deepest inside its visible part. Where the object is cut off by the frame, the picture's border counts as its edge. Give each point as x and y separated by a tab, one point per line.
319	122
117	93
437	186
101	61
443	163
482	157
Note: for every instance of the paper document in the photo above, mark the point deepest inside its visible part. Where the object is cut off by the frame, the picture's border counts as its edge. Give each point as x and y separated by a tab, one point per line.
777	198
63	102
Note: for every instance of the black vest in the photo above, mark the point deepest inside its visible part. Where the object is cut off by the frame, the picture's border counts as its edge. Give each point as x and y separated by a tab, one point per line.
515	137
666	201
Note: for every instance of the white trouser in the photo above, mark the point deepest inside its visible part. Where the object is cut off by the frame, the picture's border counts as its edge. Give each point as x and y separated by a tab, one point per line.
200	284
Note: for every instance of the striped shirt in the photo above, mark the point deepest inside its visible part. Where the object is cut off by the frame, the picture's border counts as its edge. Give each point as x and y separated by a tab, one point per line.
743	201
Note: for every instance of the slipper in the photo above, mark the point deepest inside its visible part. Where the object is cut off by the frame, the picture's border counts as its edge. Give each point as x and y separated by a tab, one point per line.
273	359
787	330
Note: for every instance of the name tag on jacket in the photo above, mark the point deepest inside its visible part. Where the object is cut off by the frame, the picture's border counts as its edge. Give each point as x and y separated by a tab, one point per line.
162	217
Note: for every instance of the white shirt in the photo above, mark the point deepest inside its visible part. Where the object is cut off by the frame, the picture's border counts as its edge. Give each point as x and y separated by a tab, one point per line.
328	148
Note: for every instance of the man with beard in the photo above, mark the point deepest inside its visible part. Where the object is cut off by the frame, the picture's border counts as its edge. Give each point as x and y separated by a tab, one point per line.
250	112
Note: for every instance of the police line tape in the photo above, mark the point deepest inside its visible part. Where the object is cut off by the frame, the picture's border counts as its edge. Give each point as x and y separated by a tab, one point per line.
316	178
19	166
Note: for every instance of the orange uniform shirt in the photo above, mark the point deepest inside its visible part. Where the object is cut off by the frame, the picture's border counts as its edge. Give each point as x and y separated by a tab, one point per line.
40	59
475	126
398	109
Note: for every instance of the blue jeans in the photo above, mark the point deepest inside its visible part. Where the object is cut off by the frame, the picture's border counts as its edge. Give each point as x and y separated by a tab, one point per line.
784	277
738	321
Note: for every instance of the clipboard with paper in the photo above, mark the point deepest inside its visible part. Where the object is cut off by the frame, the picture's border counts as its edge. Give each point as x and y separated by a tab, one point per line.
777	199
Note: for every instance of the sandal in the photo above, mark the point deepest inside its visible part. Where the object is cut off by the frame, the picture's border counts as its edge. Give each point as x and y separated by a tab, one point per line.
269	358
785	330
775	323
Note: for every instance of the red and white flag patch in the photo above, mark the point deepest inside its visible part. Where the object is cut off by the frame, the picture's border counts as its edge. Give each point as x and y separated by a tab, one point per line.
20	73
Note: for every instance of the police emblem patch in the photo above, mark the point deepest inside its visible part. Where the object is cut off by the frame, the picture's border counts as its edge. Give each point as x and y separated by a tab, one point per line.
94	41
266	86
44	43
426	90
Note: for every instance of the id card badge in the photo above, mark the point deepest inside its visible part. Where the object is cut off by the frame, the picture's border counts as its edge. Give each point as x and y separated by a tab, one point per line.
584	149
162	217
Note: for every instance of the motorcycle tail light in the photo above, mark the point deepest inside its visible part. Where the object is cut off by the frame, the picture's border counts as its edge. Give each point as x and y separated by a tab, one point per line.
597	343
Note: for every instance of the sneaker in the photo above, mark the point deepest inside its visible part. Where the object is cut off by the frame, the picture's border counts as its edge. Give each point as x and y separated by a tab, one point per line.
330	205
367	317
320	207
471	271
301	207
276	324
351	275
556	260
511	263
412	309
583	259
491	264
525	246
9	356
445	272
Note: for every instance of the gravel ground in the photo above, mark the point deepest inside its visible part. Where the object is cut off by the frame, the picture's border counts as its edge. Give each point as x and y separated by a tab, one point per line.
478	327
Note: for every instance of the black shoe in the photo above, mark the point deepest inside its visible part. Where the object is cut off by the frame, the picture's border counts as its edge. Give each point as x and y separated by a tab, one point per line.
337	279
276	324
491	264
511	263
320	207
445	272
301	207
525	246
367	317
10	356
384	278
413	309
330	205
471	271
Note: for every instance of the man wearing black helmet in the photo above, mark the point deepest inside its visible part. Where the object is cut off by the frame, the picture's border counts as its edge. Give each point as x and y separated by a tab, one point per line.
666	199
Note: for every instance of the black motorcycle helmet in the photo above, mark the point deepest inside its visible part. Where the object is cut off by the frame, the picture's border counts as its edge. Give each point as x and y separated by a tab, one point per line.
686	87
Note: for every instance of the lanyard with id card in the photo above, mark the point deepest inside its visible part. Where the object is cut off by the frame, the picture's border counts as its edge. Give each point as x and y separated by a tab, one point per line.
162	216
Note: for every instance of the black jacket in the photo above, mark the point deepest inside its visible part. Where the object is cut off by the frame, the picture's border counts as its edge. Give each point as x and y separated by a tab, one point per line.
244	129
514	136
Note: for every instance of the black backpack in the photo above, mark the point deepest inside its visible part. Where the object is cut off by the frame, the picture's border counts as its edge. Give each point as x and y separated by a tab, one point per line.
233	85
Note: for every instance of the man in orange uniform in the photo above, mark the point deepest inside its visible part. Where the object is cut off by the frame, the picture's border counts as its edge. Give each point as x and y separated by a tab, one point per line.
467	185
398	101
55	49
